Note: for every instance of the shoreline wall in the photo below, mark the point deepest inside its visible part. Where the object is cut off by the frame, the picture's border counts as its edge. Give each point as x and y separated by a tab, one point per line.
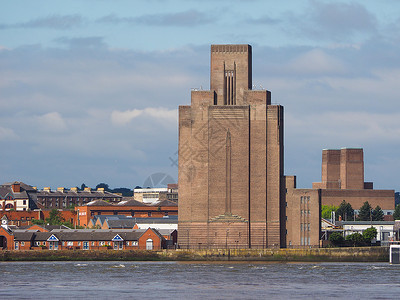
356	254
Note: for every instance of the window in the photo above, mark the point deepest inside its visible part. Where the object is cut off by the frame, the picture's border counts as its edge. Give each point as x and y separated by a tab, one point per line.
22	243
79	243
102	243
127	243
92	243
308	226
70	243
301	199
135	243
24	202
301	227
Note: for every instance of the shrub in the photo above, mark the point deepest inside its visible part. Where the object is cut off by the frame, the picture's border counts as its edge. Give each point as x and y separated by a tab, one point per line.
369	234
356	239
336	238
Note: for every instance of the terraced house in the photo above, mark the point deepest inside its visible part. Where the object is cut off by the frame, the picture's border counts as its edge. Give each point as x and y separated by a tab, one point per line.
84	239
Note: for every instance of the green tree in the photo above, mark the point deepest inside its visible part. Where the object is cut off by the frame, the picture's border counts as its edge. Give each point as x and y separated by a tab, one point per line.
103	185
356	239
377	214
365	212
336	238
396	214
55	217
345	211
326	211
38	222
369	234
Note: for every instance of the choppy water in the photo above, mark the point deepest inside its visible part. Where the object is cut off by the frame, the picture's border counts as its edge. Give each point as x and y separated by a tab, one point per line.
150	280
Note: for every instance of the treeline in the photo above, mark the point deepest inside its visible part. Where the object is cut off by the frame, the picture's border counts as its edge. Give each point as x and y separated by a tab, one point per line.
123	191
346	213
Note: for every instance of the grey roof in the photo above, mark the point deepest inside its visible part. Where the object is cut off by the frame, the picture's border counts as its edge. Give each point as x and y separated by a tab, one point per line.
5	189
124	223
366	222
23	235
131	202
109	217
169	220
81	194
98	203
166	231
90	235
23	185
164	203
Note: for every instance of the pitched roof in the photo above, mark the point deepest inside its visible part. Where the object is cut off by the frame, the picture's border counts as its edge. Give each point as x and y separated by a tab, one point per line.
164	203
83	194
90	235
23	235
169	220
98	203
6	189
131	202
123	223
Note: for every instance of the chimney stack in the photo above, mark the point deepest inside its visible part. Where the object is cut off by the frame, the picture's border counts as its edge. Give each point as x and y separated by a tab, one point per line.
16	187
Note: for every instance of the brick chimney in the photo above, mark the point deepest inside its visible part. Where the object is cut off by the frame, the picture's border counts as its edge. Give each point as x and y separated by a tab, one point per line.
16	187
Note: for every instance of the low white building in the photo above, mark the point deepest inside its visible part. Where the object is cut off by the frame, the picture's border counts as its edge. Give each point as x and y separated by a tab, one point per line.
150	195
385	229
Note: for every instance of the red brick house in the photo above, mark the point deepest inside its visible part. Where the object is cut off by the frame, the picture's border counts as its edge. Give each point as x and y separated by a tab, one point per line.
85	239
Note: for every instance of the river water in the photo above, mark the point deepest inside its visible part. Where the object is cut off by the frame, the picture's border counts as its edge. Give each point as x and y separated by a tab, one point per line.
216	280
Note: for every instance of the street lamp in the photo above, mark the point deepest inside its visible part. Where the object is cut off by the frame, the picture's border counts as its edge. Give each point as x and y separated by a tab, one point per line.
226	239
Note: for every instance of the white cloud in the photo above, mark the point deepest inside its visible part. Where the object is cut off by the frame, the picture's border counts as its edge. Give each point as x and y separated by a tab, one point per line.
345	129
159	114
7	134
51	122
316	62
124	117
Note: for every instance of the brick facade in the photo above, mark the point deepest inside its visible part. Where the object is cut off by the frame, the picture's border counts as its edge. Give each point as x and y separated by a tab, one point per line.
343	179
231	160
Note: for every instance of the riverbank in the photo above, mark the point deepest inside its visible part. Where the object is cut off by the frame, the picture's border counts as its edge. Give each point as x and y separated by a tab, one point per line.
354	254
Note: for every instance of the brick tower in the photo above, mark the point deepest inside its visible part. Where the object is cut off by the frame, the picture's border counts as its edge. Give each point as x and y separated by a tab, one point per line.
231	160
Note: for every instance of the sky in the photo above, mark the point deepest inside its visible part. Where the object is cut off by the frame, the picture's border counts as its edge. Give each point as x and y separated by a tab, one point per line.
89	90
